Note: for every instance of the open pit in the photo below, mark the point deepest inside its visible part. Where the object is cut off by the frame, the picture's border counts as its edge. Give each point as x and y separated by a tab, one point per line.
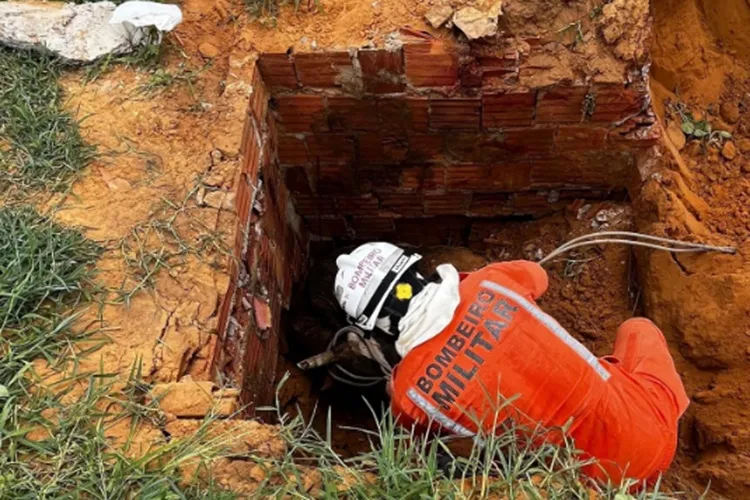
426	142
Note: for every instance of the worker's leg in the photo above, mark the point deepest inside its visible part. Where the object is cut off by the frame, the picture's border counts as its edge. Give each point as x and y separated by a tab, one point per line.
642	351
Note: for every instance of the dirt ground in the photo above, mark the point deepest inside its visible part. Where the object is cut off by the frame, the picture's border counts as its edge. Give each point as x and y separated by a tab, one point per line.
165	143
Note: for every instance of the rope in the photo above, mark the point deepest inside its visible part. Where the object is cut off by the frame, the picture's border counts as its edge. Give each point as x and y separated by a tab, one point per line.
620	237
354	379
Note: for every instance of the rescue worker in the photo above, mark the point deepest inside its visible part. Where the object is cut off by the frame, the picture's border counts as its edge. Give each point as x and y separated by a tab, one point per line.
464	339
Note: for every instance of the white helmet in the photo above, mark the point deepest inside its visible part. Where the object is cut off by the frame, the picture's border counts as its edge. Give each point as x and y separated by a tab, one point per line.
366	277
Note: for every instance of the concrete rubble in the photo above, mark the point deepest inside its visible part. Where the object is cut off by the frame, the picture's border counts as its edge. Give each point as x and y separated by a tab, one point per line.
76	33
438	16
82	33
477	24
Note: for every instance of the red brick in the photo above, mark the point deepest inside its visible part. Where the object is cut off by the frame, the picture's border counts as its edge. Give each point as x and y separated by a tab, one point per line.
512	177
534	203
393	115
402	204
418	114
259	98
272	139
528	141
371	177
333	179
357	205
490	204
347	113
331	148
299	113
602	169
561	105
494	67
580	138
251	159
508	110
449	203
412	178
382	149
615	103
248	134
433	178
633	134
468	177
277	70
314	205
425	148
292	150
510	144
455	114
327	226
323	69
440	230
372	227
382	70
297	180
430	64
470	75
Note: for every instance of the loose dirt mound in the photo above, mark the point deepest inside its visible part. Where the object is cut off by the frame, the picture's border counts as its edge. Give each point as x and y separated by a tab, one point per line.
700	59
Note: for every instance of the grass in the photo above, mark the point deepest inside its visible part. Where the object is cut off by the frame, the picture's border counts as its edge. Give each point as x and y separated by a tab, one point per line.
404	464
146	56
40	142
41	263
46	270
268	10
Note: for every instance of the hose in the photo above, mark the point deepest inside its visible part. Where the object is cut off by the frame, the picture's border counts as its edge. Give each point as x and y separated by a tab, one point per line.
621	237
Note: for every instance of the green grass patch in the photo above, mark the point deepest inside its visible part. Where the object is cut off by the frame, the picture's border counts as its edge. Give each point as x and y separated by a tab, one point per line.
40	142
510	463
41	263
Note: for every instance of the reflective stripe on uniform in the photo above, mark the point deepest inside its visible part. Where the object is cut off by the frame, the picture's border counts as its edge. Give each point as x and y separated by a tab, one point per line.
552	326
436	415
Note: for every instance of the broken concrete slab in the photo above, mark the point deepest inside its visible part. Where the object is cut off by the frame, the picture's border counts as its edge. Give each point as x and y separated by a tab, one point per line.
438	16
477	24
76	33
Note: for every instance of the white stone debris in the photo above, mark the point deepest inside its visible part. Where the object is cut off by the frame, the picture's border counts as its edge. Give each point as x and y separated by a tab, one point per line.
82	33
477	24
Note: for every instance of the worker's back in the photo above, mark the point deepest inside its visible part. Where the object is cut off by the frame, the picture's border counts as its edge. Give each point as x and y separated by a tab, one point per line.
503	357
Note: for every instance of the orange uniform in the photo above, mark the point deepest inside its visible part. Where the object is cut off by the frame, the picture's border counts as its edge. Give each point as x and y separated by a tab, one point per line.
624	408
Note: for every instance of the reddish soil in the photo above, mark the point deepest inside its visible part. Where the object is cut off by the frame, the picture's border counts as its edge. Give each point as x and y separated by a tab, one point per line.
700	58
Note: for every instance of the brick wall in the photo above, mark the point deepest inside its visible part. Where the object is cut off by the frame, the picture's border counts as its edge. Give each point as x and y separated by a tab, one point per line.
423	142
372	138
270	250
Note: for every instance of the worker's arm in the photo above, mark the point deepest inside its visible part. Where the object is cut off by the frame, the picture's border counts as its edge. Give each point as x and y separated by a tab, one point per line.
527	274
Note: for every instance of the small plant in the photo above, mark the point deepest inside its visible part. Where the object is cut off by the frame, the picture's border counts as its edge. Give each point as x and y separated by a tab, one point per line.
41	262
268	10
698	129
588	106
576	29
